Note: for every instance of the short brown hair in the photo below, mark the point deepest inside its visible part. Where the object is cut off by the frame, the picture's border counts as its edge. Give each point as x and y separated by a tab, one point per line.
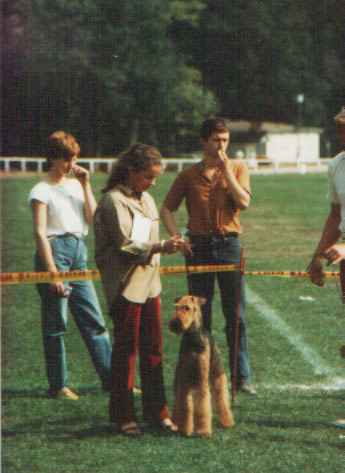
214	125
62	145
137	157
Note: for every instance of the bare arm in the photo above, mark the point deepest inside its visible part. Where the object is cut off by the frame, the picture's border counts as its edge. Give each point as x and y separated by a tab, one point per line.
329	237
168	217
331	232
90	204
169	221
39	210
240	195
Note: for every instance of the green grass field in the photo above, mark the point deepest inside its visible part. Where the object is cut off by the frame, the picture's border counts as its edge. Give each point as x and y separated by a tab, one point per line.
294	346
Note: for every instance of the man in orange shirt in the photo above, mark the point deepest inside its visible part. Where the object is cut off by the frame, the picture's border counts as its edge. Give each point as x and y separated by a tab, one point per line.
215	191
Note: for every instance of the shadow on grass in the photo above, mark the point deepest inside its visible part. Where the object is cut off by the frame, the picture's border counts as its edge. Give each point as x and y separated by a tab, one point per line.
39	393
288	424
64	427
62	432
96	431
9	393
310	443
309	437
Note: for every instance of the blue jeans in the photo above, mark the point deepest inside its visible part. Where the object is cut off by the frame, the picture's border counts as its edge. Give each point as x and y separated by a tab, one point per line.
221	250
70	253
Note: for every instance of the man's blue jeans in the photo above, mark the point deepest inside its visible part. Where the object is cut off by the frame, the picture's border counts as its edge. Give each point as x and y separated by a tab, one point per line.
70	253
217	249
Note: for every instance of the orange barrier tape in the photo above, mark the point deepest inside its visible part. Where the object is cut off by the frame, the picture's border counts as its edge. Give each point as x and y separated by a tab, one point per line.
290	274
47	277
93	274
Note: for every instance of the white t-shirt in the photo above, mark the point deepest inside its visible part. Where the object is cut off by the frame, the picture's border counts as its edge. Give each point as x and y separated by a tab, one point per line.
65	204
336	177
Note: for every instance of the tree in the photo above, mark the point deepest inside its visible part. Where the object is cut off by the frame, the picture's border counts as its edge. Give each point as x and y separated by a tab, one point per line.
108	72
258	56
117	72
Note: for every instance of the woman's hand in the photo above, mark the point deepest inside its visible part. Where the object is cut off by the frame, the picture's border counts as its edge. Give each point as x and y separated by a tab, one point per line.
185	247
58	288
174	244
81	174
170	246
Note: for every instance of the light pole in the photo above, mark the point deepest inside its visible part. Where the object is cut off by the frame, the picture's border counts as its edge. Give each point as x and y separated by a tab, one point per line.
300	102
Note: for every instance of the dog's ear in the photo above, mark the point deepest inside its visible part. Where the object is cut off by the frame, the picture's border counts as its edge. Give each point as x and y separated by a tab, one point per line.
178	299
200	300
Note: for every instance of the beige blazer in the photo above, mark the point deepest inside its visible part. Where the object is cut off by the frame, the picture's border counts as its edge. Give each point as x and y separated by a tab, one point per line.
125	265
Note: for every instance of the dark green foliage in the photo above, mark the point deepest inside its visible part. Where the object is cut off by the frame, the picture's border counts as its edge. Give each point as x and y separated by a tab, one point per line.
106	71
257	56
114	72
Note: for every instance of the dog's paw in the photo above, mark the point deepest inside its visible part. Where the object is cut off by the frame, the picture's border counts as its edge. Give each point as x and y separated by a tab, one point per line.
185	434
227	421
228	425
203	435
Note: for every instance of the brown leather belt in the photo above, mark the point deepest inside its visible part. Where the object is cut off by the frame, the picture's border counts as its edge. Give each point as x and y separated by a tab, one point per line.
210	235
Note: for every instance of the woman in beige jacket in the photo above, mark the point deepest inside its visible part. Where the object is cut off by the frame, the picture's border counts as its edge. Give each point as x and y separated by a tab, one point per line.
127	254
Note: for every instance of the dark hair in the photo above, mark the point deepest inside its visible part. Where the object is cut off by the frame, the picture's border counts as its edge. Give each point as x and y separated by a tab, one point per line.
214	125
138	157
61	145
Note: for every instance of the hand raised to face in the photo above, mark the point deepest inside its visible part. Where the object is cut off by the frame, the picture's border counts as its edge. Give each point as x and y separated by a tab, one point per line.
81	174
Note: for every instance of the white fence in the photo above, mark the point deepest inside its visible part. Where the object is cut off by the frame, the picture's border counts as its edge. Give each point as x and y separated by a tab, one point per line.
24	164
93	164
274	166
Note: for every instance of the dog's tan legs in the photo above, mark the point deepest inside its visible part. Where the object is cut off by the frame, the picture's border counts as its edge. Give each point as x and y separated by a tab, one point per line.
221	400
203	411
183	411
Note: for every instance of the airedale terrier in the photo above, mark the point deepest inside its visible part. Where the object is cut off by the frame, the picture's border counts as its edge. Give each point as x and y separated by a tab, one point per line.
199	373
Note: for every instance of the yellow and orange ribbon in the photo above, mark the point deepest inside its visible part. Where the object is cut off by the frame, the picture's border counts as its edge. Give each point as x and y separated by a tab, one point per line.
93	274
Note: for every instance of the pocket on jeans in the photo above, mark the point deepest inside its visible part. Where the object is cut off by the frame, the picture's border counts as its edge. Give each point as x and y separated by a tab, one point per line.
227	251
62	254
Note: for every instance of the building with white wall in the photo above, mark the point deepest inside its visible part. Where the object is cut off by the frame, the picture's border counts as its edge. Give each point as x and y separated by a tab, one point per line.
278	142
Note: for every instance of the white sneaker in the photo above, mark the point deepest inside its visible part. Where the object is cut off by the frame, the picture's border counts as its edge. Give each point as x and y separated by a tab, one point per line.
340	423
247	389
64	393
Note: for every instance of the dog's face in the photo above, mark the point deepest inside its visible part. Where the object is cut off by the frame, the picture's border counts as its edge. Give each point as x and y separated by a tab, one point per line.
187	314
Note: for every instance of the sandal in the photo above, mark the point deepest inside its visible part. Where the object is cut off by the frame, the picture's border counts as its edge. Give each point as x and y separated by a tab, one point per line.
167	425
130	429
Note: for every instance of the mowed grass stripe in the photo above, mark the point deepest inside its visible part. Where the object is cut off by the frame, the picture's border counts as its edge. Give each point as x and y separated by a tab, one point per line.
296	340
333	384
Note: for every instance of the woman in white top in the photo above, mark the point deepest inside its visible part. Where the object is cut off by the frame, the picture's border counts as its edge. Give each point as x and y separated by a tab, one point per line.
63	206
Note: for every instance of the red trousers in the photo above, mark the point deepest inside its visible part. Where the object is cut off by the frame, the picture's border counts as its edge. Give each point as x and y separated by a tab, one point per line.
137	328
342	280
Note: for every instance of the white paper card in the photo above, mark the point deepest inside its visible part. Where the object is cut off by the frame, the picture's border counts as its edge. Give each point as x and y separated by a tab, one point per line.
141	229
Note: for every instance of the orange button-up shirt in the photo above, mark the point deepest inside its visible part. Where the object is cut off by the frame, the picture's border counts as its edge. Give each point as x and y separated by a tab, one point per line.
209	203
